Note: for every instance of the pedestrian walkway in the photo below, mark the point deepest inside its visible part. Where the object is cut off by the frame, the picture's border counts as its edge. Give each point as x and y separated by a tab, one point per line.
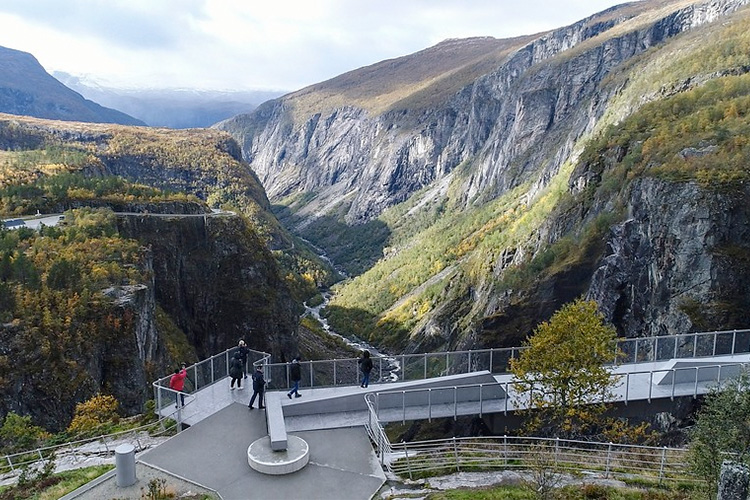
213	453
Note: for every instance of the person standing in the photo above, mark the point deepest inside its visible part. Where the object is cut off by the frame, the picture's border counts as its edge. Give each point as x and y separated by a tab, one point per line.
177	384
365	366
235	370
259	385
244	351
295	374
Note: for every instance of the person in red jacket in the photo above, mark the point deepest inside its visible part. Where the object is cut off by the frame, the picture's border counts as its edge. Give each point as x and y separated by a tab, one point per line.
177	383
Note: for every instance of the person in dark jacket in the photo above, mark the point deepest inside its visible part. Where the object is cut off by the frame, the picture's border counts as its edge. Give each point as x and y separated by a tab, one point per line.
259	385
295	374
235	370
244	351
365	366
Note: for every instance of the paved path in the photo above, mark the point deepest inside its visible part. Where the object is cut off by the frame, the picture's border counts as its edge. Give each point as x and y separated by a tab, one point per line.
213	453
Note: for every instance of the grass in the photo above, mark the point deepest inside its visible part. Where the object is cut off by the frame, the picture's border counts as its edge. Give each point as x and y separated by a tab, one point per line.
55	486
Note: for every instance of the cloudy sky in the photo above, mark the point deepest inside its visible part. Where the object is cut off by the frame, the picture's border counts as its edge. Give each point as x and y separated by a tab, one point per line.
256	44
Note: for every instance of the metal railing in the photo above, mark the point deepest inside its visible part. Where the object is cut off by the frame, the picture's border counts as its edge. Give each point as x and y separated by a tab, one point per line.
405	367
452	401
201	375
443	456
103	445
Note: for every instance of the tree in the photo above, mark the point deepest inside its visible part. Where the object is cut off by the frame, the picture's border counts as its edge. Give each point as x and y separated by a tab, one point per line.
94	415
562	372
722	429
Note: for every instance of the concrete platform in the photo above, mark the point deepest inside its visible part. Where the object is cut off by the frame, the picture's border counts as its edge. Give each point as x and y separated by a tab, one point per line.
213	453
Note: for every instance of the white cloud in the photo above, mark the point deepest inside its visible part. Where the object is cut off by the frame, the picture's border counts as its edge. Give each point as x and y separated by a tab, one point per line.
283	44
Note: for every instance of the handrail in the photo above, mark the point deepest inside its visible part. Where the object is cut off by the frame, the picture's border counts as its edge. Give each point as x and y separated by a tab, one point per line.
40	454
204	373
508	452
336	372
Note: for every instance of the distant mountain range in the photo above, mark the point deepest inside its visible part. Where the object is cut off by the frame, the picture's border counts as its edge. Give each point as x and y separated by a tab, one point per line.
27	89
172	108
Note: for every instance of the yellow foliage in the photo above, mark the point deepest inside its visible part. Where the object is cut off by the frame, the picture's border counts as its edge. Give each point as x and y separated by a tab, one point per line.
94	413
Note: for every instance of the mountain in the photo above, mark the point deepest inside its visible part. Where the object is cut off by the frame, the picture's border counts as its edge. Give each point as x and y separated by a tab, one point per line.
27	89
475	187
172	108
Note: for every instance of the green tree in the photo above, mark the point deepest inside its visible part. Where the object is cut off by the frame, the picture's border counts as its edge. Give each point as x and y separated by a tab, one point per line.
562	372
722	429
19	434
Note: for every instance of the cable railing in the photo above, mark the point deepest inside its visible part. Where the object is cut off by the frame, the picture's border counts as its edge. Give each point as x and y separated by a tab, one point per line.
81	449
406	367
443	456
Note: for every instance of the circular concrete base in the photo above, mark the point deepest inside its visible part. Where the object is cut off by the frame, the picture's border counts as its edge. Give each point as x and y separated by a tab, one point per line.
262	458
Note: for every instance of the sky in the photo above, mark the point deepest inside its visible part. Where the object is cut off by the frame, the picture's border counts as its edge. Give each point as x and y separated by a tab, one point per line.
256	44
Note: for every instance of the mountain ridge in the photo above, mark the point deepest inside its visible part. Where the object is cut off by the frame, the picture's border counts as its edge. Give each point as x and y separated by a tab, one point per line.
27	89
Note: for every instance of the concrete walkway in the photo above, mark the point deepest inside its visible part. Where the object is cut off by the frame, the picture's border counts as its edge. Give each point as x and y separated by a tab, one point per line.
213	453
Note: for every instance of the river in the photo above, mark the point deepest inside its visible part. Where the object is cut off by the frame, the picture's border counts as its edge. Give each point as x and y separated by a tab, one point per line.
391	365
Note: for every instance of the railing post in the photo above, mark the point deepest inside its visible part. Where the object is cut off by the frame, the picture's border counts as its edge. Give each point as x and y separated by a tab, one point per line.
505	448
557	450
695	344
403	368
714	352
468	365
212	369
656	350
455	454
663	461
406	455
447	363
609	458
312	383
195	377
675	347
380	369
734	340
425	366
635	357
492	368
158	400
335	380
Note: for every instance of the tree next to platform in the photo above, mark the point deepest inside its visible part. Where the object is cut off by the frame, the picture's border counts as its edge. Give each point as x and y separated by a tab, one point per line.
562	373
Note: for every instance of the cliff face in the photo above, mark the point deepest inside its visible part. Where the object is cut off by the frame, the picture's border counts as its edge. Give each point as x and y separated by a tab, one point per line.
217	281
516	123
660	258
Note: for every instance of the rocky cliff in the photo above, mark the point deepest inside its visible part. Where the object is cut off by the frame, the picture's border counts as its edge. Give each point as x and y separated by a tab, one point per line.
472	189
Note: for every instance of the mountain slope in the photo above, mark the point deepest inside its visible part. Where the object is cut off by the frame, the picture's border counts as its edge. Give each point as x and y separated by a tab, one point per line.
26	89
471	217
